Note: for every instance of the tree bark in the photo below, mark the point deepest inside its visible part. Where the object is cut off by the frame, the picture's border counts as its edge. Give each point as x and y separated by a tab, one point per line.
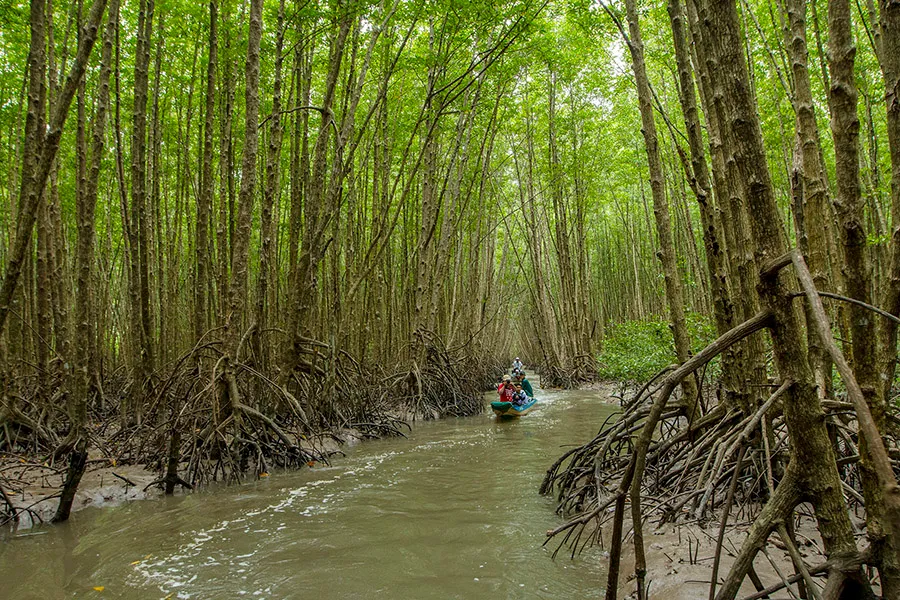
747	355
299	183
313	244
205	198
264	299
723	308
890	67
139	285
237	289
812	450
431	198
41	146
666	254
84	253
849	208
561	233
816	227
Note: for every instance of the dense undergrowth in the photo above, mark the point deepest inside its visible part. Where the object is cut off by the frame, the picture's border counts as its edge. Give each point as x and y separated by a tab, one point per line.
634	350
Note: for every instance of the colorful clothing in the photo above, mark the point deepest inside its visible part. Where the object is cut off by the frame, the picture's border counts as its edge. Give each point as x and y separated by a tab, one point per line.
526	386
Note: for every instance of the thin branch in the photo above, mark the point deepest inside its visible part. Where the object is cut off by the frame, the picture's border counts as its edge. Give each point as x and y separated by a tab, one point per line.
874	309
289	111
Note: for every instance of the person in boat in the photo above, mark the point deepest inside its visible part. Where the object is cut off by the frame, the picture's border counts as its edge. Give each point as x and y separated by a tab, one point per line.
520	398
526	385
517	364
506	390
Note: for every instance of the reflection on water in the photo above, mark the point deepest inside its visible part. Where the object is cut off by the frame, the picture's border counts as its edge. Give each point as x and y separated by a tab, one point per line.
451	512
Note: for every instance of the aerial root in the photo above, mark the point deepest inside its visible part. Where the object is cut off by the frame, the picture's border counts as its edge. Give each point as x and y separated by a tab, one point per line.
210	417
583	369
12	418
694	470
11	512
436	384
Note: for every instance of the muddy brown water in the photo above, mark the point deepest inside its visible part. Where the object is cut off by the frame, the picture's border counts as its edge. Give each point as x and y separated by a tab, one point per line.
451	512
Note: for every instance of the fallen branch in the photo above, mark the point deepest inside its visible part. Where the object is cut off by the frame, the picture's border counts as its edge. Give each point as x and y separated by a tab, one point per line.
125	479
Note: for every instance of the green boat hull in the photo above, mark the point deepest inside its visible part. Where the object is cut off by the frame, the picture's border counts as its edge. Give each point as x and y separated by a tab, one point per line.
508	409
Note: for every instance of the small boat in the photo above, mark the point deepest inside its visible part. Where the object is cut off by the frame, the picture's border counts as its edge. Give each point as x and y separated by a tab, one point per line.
508	409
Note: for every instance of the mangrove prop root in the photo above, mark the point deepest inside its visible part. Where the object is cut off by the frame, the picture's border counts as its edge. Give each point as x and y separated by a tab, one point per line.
723	459
721	537
13	512
77	465
208	418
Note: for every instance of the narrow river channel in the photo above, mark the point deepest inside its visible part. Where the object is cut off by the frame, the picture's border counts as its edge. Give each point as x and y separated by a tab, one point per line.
451	512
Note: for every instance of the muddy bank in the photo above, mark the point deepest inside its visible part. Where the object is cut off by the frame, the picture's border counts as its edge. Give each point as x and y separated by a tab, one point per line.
680	558
611	392
33	485
33	488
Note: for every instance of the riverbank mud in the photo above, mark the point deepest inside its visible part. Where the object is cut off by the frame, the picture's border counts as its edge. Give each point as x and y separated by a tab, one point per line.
681	553
33	488
680	559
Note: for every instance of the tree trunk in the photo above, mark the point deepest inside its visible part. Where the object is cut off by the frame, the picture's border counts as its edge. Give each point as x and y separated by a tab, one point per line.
264	300
674	290
814	209
299	181
723	308
41	146
561	240
431	197
316	216
748	354
224	222
139	286
205	198
84	253
237	289
849	207
812	451
890	66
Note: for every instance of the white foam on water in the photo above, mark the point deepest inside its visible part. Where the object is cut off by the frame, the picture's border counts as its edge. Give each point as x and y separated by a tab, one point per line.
178	570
